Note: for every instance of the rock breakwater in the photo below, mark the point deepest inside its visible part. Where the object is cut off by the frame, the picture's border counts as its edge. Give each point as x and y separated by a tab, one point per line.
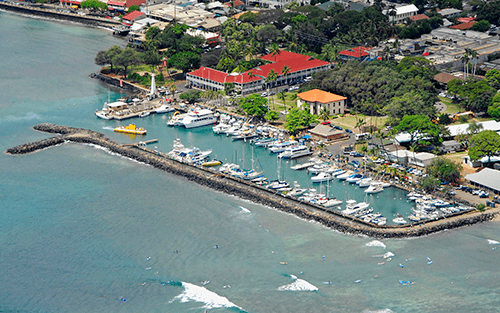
246	190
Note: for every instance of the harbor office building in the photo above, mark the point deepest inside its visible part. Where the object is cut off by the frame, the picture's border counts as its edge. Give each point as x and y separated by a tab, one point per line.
317	100
300	67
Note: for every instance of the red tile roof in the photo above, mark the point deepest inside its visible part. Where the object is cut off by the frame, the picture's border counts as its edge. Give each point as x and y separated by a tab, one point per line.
357	52
418	17
132	15
296	62
466	19
119	3
463	26
236	3
317	95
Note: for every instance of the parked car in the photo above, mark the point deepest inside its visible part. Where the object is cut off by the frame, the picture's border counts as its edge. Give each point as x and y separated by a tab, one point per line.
348	131
355	154
294	88
264	94
337	127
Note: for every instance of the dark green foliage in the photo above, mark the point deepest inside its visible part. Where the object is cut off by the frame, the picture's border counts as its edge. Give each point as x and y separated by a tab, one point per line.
494	108
298	119
444	119
248	17
191	95
185	61
254	105
489	11
371	86
272	116
444	170
481	26
493	79
429	184
94	4
475	96
421	130
485	143
134	8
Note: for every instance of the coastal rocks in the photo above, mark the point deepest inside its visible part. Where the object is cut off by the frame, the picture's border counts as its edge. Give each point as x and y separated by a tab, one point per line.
244	189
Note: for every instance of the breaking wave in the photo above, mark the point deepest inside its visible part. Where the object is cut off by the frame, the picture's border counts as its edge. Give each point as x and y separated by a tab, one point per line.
493	242
379	311
298	285
203	295
375	243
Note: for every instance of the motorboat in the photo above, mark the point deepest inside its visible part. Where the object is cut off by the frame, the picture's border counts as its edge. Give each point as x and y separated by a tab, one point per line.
198	118
246	174
365	182
278	184
331	202
263	142
298	167
281	146
144	114
374	188
228	167
352	207
176	119
211	163
338	172
354	178
400	220
295	152
103	115
131	129
221	128
164	108
318	168
321	177
344	176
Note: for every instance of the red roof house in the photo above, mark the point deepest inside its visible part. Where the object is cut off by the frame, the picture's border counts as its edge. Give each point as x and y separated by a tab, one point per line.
466	19
236	3
116	5
129	18
419	17
357	53
463	26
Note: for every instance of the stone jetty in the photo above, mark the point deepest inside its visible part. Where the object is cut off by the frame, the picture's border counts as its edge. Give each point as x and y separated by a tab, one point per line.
247	190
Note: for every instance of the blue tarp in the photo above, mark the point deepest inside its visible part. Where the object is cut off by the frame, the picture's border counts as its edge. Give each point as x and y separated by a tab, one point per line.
306	137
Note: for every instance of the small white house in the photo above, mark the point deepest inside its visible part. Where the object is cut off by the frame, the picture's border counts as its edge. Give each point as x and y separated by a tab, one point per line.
450	146
402	13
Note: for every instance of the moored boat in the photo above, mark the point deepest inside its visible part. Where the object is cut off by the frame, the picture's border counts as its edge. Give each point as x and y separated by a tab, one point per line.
213	162
131	129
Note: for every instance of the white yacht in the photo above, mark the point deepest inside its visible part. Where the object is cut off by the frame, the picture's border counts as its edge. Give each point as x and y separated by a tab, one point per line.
197	118
344	176
352	207
144	114
330	202
374	188
365	182
278	184
281	146
164	108
399	220
228	167
296	191
221	128
103	115
295	152
176	119
298	167
321	177
354	178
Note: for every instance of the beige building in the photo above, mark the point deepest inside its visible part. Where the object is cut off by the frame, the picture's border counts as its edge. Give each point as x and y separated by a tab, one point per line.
318	99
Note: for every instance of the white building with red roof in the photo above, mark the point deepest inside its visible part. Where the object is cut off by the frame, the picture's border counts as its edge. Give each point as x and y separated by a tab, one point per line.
360	53
300	66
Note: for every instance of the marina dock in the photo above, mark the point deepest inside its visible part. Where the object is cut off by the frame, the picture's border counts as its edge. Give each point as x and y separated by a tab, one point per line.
250	191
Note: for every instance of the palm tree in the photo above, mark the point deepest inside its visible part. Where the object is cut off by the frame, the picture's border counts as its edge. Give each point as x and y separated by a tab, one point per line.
324	114
360	122
282	97
274	50
284	71
474	56
465	61
271	77
172	88
220	94
250	75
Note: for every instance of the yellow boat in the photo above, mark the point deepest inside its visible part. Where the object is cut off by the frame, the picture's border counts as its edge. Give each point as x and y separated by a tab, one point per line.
131	129
212	163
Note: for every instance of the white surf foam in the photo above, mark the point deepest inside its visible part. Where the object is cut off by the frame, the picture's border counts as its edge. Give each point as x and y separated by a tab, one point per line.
28	116
203	295
379	311
493	242
375	243
388	255
244	209
298	285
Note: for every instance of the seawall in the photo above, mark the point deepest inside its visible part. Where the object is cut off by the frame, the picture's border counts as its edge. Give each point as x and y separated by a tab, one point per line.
249	191
48	12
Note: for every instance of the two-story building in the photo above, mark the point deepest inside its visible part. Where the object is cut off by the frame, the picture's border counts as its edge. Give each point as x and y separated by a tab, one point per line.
401	13
318	99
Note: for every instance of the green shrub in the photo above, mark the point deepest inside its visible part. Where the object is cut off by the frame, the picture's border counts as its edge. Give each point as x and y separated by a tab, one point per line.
480	207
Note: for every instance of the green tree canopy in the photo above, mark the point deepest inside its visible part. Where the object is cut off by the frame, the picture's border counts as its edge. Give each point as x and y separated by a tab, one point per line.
127	57
254	105
134	8
486	143
481	26
493	78
94	4
184	61
474	95
191	95
420	128
444	170
297	119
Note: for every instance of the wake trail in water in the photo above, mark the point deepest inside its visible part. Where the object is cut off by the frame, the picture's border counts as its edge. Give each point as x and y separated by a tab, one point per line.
108	128
298	285
203	295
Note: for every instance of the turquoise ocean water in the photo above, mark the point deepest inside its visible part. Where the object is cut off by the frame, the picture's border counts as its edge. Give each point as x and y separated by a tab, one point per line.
83	230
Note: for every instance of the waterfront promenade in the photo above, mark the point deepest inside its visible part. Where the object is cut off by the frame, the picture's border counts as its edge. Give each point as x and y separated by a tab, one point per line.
249	191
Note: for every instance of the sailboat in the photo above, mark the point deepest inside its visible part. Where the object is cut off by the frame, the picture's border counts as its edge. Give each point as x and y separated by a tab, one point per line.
278	184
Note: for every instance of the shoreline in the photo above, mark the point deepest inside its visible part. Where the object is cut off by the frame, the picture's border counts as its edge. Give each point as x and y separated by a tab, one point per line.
248	191
48	13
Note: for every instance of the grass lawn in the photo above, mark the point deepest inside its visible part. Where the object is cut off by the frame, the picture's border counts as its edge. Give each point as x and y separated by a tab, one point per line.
350	121
455	157
451	108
